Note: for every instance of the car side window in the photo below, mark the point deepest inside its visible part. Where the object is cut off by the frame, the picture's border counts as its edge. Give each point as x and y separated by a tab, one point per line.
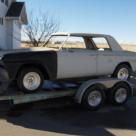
101	44
75	43
56	42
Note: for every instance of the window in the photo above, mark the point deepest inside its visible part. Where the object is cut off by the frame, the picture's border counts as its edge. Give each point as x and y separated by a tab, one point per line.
1	21
101	43
56	41
6	2
75	43
66	42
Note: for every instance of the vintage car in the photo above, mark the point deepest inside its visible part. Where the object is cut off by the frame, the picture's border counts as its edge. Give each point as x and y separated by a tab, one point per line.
69	56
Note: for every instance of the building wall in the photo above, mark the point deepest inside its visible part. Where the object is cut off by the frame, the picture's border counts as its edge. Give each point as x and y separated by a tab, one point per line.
16	34
3	10
13	28
10	35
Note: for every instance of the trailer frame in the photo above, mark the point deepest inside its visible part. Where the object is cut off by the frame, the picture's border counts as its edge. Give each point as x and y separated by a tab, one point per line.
18	97
21	98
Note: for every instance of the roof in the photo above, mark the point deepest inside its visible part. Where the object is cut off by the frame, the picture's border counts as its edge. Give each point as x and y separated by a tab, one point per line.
111	41
80	34
17	10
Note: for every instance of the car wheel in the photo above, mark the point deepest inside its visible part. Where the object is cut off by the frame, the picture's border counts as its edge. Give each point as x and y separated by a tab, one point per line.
119	94
93	98
30	80
4	81
122	72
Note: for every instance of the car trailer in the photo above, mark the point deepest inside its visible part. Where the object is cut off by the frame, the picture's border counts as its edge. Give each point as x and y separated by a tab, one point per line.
91	94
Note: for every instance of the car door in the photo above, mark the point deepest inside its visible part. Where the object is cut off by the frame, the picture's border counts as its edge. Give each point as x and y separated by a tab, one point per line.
106	59
73	63
106	62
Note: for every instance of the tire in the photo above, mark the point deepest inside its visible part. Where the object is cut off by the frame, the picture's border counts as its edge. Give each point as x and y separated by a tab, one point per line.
122	72
119	94
30	80
99	94
4	81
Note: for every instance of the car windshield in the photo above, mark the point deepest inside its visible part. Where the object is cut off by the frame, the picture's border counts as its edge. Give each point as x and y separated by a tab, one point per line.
56	42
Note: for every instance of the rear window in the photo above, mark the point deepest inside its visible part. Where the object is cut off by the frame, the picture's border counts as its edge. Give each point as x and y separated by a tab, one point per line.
101	43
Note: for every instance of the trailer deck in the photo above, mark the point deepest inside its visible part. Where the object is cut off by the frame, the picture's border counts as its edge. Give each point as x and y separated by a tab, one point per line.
17	97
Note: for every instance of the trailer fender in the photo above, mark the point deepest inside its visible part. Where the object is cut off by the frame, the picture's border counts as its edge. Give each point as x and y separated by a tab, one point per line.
105	83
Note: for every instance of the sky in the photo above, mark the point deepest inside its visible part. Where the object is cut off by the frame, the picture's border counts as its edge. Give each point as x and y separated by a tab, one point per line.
114	17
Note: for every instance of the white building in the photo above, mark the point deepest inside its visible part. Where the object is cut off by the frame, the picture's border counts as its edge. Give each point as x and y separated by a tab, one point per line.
12	16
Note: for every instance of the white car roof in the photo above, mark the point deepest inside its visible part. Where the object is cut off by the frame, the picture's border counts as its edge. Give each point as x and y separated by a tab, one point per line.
112	42
79	34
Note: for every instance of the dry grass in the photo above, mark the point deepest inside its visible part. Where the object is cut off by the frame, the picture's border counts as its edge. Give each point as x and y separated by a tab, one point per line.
128	47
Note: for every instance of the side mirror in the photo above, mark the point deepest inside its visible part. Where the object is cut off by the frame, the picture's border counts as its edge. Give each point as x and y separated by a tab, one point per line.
101	49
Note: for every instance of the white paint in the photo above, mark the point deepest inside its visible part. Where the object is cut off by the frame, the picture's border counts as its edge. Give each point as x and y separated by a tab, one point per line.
108	61
16	34
3	10
10	31
76	63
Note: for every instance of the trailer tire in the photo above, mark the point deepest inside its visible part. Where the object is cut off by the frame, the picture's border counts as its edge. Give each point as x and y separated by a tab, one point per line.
119	94
32	76
93	98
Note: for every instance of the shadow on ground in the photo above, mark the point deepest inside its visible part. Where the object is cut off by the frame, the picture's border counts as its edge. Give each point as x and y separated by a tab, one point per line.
64	117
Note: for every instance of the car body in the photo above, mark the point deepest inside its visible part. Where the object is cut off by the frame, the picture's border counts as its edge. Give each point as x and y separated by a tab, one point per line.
73	55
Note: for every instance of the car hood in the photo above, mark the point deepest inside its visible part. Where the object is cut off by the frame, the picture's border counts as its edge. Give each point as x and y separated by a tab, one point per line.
33	49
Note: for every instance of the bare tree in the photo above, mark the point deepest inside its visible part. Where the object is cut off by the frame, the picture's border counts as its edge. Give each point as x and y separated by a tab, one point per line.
39	28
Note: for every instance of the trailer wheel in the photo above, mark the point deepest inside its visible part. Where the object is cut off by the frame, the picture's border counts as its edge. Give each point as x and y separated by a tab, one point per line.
30	80
94	98
119	94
